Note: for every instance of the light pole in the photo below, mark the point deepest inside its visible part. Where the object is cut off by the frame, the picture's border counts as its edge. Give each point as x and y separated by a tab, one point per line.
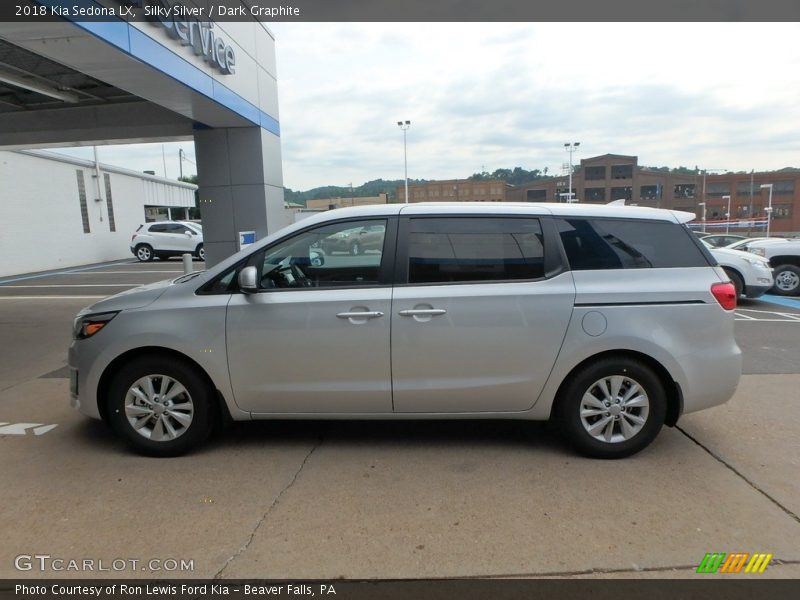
728	215
404	125
573	147
703	204
769	205
181	156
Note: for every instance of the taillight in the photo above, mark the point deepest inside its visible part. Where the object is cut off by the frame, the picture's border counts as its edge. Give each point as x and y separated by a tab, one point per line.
725	293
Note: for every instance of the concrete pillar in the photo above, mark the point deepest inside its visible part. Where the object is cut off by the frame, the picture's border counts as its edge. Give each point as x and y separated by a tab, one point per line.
241	186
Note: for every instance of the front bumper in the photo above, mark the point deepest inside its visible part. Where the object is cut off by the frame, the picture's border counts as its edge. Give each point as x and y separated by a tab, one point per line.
755	291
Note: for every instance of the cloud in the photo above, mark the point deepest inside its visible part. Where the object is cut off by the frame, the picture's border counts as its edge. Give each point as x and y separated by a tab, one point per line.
491	95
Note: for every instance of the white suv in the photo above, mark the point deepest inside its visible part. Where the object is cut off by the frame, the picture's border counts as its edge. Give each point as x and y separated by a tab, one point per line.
163	239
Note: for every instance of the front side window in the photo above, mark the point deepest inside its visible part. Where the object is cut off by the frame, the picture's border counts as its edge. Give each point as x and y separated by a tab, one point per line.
462	249
627	244
343	254
336	255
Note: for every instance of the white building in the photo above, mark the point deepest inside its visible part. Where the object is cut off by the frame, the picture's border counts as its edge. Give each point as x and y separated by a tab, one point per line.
68	82
53	213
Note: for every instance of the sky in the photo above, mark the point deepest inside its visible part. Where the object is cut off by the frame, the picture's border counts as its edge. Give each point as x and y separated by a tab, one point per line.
481	96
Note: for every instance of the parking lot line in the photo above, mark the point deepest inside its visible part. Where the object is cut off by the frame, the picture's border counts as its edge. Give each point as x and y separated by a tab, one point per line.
70	270
51	297
121	272
769	316
70	285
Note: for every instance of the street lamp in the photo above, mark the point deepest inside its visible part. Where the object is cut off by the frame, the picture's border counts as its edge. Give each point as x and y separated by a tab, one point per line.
703	204
769	206
573	147
404	125
728	215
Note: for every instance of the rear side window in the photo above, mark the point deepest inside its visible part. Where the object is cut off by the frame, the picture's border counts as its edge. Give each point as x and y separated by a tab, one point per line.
627	244
158	228
459	250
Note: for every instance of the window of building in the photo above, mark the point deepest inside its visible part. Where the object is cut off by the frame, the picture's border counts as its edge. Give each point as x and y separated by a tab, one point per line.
684	190
112	224
743	189
718	189
594	173
620	193
781	211
783	187
650	192
627	244
595	194
461	250
622	172
82	200
536	195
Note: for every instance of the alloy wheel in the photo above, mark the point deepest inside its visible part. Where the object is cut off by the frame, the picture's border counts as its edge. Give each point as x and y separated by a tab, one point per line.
614	409
787	281
159	408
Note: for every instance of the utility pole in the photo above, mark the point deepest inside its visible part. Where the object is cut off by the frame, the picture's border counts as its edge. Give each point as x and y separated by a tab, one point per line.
404	125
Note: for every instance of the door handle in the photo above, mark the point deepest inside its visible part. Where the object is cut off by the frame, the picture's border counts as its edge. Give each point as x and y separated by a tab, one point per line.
360	314
422	312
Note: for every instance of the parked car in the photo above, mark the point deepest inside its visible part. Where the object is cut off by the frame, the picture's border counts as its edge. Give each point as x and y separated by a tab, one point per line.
785	261
745	243
355	241
163	239
610	321
720	240
751	275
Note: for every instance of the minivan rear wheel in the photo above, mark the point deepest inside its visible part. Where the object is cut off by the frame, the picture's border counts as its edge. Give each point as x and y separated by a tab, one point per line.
612	408
161	406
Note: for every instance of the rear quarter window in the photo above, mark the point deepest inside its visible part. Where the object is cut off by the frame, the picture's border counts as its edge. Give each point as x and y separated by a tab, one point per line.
593	244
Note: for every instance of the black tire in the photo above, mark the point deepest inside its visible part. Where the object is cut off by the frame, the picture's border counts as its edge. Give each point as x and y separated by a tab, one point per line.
355	248
200	252
198	393
787	280
568	408
737	282
144	252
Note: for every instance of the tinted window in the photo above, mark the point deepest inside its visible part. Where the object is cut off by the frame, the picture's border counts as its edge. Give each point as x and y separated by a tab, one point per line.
159	228
627	244
469	249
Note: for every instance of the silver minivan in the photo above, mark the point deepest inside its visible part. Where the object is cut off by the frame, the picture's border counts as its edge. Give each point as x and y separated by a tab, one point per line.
609	320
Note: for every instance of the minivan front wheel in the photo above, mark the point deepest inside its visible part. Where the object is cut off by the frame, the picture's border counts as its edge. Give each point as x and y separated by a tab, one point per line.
161	406
612	408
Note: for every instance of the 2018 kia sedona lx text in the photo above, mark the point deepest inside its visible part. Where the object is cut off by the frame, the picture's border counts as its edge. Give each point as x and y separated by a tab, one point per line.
609	320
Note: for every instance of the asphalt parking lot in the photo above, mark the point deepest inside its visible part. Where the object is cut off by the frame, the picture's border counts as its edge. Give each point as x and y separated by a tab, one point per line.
389	499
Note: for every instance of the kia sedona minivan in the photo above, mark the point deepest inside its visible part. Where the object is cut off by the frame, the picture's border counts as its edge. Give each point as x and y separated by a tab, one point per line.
611	321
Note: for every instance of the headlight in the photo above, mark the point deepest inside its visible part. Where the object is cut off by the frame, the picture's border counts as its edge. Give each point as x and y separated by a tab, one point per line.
758	251
758	262
88	325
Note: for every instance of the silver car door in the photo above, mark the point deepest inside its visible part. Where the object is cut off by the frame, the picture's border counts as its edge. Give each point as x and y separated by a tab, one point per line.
480	320
315	339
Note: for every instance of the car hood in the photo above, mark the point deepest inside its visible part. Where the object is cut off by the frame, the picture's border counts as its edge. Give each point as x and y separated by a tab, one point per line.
137	297
729	253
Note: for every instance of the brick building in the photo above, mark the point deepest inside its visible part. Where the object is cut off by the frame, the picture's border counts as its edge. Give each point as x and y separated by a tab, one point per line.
601	179
456	190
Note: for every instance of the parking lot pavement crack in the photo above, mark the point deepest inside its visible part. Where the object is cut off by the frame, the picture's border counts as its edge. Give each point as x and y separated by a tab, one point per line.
741	475
266	514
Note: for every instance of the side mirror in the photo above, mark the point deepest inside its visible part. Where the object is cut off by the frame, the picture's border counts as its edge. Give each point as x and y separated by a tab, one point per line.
188	233
248	280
